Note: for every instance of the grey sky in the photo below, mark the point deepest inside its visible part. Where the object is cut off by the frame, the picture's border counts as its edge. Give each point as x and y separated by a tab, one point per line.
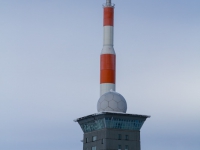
49	70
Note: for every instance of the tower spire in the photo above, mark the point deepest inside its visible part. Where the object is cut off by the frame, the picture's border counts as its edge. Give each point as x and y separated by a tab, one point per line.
108	2
107	59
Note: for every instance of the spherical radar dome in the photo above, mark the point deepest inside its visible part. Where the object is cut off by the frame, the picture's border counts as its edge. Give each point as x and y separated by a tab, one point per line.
112	101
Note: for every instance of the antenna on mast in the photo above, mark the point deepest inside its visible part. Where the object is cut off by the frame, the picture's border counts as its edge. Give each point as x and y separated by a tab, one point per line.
108	3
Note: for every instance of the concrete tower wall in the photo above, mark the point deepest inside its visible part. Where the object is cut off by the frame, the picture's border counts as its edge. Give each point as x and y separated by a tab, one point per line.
111	139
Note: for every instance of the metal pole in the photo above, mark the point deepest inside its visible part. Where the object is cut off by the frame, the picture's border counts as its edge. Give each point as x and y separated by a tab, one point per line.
108	2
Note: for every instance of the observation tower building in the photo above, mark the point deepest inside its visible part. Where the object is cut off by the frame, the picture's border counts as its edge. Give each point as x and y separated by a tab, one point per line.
111	128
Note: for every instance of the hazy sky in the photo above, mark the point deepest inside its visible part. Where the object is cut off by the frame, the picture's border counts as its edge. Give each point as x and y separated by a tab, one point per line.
49	70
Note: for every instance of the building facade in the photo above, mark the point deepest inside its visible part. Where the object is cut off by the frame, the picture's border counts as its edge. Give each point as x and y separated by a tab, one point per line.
111	131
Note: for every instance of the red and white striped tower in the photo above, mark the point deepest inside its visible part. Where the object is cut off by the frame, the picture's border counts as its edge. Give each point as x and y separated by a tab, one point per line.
108	57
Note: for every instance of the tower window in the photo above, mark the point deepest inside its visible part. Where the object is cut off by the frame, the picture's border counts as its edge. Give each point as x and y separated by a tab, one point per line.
94	148
126	147
102	141
119	136
119	147
86	140
127	138
94	138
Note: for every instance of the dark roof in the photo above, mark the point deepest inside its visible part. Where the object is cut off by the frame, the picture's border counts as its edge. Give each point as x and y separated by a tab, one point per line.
114	113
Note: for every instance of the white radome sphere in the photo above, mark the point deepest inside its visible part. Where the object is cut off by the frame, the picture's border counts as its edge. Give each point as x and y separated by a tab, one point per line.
112	101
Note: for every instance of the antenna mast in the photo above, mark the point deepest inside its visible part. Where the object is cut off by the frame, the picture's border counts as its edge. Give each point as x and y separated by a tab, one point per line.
108	3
